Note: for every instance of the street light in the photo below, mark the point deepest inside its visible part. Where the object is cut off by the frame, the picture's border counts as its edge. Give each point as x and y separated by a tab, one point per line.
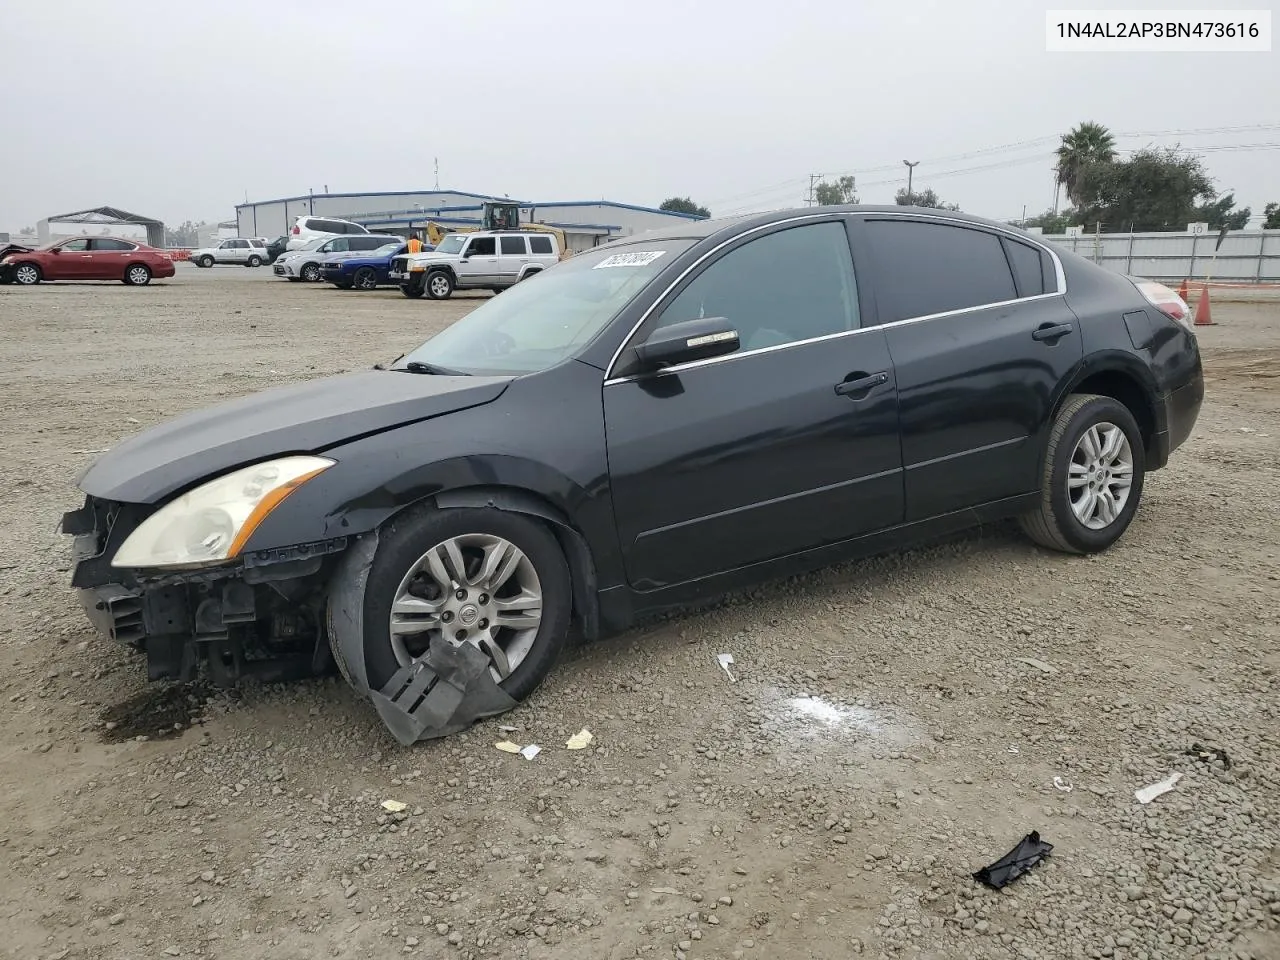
911	168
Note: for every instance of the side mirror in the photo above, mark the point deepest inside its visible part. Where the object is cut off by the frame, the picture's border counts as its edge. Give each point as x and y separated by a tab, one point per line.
55	249
688	341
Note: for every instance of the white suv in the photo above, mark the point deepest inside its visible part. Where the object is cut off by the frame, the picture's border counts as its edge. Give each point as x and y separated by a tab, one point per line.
306	229
250	251
485	260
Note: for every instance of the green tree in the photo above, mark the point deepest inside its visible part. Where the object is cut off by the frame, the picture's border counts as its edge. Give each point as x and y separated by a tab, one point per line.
1219	213
27	232
835	193
1087	144
1155	189
1049	221
922	198
683	205
1271	213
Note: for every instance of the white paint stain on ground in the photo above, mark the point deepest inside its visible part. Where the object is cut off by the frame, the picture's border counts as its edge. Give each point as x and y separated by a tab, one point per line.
825	712
812	717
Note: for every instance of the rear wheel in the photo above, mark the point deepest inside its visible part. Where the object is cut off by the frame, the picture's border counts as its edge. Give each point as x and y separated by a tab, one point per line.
366	278
205	261
439	285
27	274
1094	469
488	577
310	272
137	275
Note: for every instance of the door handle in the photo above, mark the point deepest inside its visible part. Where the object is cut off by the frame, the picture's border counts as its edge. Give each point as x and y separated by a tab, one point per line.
861	384
1051	331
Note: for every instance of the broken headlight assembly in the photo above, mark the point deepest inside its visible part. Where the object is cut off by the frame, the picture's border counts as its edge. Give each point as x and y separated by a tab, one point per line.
212	522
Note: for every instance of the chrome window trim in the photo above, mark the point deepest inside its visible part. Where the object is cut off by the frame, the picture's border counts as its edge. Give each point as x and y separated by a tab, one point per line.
1060	277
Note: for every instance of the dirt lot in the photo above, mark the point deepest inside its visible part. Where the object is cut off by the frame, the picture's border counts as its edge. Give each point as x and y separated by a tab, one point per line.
885	739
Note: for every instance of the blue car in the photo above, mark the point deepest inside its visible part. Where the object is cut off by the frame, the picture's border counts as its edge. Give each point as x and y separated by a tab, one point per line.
364	271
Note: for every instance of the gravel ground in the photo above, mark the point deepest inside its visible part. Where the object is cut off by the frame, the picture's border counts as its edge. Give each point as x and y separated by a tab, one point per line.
896	724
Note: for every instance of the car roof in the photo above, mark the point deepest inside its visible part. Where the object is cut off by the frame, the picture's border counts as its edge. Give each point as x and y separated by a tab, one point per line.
702	229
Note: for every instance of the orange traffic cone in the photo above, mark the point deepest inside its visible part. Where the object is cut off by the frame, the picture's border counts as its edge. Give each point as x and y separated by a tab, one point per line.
1204	318
1182	291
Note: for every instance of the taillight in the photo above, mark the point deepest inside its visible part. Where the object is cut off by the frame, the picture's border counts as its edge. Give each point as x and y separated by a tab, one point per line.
296	231
1167	302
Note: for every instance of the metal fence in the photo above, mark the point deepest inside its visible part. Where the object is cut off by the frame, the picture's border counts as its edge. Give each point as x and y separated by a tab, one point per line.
1245	256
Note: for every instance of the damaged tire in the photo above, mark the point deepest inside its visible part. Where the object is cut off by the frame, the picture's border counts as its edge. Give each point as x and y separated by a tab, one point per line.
1094	469
492	578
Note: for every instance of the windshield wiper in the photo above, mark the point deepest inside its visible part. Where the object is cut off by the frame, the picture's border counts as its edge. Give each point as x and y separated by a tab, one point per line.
417	366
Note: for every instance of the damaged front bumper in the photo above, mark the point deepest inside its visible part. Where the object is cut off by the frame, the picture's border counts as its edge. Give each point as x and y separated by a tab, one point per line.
259	617
276	614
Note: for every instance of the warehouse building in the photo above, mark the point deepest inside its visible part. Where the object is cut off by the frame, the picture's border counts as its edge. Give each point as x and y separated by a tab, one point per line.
586	223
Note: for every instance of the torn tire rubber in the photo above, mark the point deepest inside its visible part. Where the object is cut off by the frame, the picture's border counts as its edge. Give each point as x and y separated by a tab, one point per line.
404	541
1054	523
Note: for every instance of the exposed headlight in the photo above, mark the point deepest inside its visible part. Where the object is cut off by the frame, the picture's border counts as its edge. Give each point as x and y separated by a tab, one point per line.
8	259
211	523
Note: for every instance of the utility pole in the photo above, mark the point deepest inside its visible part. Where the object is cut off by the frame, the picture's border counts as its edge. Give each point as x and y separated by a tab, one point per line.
813	178
1024	216
911	168
437	160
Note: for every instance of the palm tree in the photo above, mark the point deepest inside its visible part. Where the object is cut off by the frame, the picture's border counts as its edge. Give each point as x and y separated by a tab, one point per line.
1087	144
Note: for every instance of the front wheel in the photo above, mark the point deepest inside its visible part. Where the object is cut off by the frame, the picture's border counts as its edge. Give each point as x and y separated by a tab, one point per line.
27	274
310	272
366	278
439	285
137	275
1094	469
205	261
488	577
411	290
255	261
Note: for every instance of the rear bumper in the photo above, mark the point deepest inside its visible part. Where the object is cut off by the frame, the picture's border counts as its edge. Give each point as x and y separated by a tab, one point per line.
1180	409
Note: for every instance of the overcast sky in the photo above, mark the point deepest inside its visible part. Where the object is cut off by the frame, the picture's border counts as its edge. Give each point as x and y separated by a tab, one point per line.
179	110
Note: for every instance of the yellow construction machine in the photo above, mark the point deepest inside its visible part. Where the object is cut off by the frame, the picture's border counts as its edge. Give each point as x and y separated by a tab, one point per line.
498	215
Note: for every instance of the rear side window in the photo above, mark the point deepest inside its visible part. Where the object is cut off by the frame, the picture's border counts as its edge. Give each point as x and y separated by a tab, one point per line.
1028	270
325	226
926	268
513	246
368	242
354	228
541	245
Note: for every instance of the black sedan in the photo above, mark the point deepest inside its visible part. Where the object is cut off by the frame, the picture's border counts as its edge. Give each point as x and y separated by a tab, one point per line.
642	426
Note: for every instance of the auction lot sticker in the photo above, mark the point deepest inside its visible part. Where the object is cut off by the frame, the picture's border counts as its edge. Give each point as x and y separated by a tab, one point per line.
639	259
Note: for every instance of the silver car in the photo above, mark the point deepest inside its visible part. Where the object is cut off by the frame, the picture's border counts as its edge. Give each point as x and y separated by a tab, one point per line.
304	264
247	251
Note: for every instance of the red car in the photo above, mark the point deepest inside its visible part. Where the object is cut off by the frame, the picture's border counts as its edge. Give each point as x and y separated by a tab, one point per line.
87	258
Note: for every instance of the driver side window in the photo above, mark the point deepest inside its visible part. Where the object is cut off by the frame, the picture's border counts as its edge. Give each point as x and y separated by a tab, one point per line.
76	246
792	285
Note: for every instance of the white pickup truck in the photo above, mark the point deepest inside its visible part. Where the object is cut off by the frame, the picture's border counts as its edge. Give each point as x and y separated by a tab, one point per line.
484	260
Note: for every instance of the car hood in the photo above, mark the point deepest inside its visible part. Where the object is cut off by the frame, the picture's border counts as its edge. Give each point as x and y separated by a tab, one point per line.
302	418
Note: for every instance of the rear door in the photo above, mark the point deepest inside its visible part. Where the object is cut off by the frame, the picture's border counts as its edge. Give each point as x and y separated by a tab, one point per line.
108	257
767	451
513	254
978	354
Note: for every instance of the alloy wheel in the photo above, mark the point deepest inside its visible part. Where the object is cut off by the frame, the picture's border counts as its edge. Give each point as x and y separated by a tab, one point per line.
139	275
1100	475
439	286
27	274
476	588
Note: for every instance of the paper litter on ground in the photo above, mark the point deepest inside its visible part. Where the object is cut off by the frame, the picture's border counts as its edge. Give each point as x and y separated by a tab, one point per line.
531	751
394	806
580	739
506	746
726	661
1147	794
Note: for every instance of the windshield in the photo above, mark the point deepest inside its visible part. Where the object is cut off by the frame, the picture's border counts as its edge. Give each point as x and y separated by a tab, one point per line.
389	247
451	244
549	317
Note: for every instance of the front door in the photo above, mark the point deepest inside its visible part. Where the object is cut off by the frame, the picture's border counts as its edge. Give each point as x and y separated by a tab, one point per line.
478	265
73	262
789	443
981	337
